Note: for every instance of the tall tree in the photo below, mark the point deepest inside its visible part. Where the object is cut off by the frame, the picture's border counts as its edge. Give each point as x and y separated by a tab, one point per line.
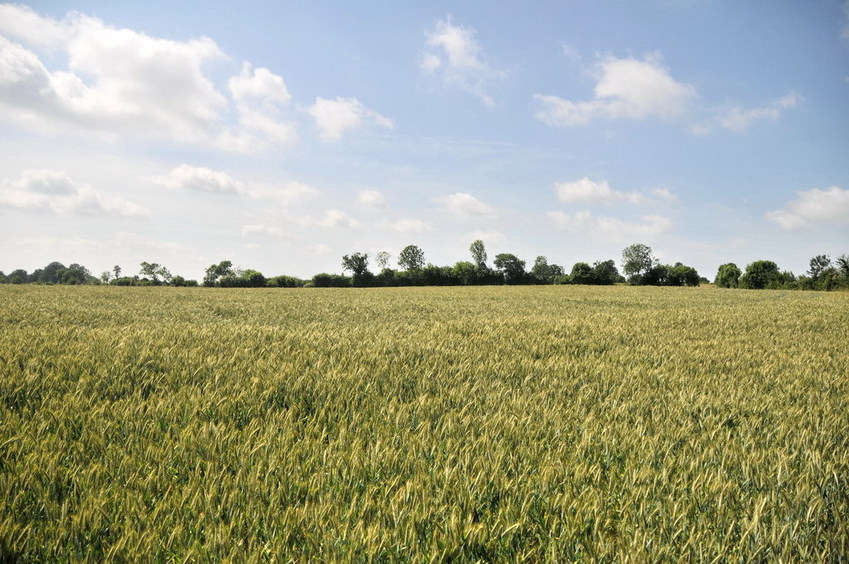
637	260
357	263
817	265
217	271
382	259
478	254
411	258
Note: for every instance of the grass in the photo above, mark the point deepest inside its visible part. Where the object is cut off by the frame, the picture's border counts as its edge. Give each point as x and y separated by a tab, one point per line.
423	424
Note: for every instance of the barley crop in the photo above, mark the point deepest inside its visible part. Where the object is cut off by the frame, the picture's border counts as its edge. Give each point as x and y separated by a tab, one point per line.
554	423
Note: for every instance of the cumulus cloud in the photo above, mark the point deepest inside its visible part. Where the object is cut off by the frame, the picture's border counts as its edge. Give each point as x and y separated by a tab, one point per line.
610	228
588	191
625	89
52	191
120	81
813	207
336	117
199	179
739	119
371	199
465	205
454	56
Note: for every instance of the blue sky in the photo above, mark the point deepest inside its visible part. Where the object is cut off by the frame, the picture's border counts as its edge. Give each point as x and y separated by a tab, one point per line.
282	135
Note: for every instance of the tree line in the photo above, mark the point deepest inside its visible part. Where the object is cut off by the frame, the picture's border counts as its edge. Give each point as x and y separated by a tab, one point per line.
639	267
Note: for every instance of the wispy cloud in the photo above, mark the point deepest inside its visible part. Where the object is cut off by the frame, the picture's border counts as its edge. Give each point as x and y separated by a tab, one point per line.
454	56
465	205
739	119
589	191
334	118
610	228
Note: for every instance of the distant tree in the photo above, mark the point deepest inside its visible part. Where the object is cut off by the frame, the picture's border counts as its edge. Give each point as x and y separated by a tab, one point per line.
217	271
545	272
604	273
465	272
50	274
3	278
817	265
843	265
511	267
105	276
116	271
150	271
761	274
581	274
682	275
76	274
637	261
18	276
382	259
728	276
478	252
324	280
357	263
411	258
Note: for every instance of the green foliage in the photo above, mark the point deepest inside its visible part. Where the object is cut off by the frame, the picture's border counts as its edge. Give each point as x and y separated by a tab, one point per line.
728	276
545	273
411	258
637	262
325	280
356	263
761	274
496	424
478	252
511	267
216	272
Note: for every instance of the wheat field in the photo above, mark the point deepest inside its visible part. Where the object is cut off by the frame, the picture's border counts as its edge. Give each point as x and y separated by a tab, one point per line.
553	423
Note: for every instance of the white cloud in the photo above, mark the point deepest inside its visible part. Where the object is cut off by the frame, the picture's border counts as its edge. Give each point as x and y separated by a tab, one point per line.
813	207
286	193
336	117
465	205
258	94
845	33
199	179
456	58
262	230
610	228
409	226
371	199
53	191
588	191
625	89
119	81
738	119
259	84
664	194
332	218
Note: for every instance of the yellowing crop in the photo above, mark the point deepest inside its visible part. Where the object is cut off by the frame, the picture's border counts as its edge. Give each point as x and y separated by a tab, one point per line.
488	424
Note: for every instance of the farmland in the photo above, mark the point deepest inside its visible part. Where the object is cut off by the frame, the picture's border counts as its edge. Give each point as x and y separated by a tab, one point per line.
488	423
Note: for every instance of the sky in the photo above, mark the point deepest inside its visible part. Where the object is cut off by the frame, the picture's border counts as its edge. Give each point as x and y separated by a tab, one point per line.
283	135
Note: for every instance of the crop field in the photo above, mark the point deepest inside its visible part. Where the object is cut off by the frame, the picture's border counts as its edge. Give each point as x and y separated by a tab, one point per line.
552	423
